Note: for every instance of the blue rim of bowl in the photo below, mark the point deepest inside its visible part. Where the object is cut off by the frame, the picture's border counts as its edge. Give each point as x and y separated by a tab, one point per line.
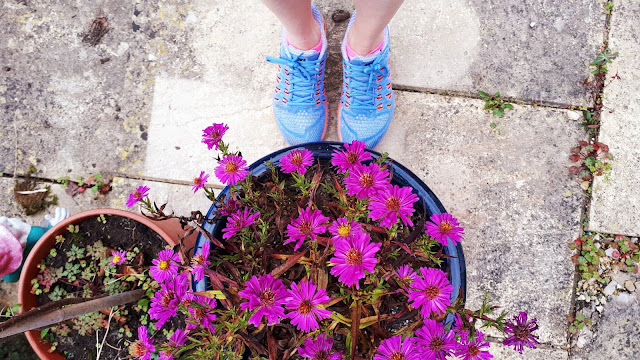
401	176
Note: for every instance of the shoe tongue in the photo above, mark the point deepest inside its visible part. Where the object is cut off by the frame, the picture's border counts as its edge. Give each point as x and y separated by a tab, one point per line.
364	59
306	54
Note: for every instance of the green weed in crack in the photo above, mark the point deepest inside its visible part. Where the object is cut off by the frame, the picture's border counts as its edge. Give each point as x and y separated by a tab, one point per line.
495	103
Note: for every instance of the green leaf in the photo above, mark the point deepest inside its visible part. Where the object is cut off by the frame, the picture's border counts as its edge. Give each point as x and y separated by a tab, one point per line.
44	333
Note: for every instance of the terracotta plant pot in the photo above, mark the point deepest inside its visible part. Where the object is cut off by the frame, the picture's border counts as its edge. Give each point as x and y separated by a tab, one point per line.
169	230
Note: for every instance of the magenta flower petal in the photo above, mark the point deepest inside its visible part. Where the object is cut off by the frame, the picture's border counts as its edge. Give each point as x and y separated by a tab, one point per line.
406	273
266	295
202	314
443	226
353	257
231	169
431	292
476	349
434	341
522	332
238	221
118	258
212	135
319	349
178	339
143	347
393	202
304	300
296	160
165	267
364	181
309	224
354	155
200	262
198	183
395	348
342	228
165	302
140	193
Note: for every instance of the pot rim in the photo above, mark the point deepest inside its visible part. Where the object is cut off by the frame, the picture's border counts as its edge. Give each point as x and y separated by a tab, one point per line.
47	241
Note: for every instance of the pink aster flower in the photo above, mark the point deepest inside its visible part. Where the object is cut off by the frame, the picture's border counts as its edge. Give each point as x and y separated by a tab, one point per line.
364	181
140	193
342	228
200	262
431	292
10	252
310	223
143	347
198	183
231	169
434	341
267	295
165	267
473	349
354	155
229	207
442	226
202	314
392	202
353	257
395	348
319	349
304	301
405	273
238	221
165	302
296	160
118	258
212	135
522	332
178	339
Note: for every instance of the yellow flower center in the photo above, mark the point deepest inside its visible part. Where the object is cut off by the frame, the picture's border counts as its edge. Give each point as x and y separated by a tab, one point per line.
366	180
163	264
344	230
116	259
296	158
445	227
305	307
231	167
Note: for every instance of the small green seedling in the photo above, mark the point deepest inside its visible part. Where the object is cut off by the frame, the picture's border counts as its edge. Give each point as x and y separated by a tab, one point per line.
495	103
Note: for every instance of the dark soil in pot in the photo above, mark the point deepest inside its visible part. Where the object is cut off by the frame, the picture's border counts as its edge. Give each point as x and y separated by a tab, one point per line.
97	238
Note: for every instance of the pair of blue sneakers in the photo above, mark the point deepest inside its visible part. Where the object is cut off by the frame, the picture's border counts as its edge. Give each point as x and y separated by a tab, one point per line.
300	104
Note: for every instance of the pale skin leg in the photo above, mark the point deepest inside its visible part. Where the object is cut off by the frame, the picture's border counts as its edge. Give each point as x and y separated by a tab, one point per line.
295	15
365	34
372	17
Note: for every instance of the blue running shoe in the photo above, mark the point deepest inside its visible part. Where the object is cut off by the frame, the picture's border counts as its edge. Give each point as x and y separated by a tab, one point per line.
300	104
367	102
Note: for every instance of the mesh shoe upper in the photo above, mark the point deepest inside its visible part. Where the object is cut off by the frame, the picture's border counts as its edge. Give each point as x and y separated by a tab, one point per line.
367	102
300	104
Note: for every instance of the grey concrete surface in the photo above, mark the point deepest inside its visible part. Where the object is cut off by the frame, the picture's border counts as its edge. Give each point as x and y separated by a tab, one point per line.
617	333
501	352
510	189
532	50
615	207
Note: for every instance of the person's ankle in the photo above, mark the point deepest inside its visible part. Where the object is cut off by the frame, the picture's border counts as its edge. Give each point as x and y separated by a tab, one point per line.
363	45
305	39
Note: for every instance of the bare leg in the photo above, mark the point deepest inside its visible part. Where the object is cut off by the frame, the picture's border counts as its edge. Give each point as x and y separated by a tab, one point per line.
372	17
295	16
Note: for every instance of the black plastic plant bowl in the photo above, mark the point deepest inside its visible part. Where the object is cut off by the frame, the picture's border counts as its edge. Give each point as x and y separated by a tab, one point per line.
322	151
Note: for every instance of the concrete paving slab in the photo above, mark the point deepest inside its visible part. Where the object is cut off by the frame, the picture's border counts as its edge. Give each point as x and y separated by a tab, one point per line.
7	141
615	206
501	352
79	108
528	50
511	190
617	332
